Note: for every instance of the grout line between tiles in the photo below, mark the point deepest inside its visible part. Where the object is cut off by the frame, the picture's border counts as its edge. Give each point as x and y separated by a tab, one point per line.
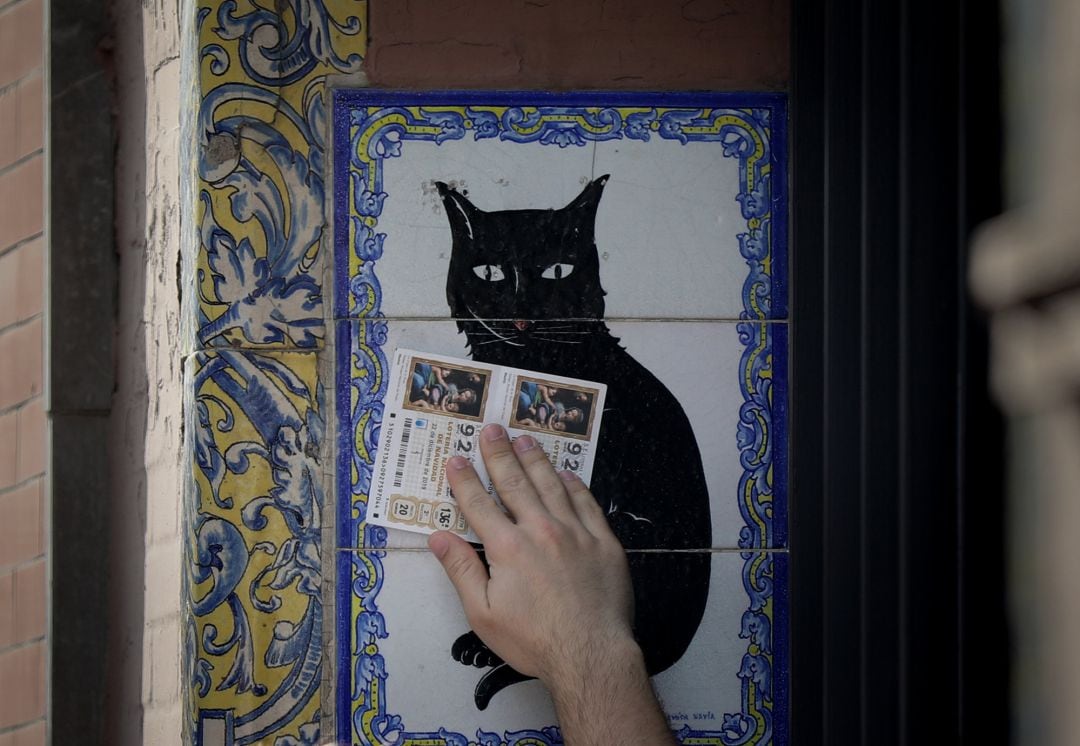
607	319
714	550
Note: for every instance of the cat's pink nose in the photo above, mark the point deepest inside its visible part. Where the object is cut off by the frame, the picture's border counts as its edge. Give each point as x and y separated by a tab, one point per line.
522	324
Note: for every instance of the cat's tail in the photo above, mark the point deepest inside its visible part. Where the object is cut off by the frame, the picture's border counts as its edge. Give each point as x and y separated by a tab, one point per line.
495	681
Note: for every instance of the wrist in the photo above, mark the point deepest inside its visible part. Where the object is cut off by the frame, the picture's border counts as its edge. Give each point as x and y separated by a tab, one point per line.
608	698
598	664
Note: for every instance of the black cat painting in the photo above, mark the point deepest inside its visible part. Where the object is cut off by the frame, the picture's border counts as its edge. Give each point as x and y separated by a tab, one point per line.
524	287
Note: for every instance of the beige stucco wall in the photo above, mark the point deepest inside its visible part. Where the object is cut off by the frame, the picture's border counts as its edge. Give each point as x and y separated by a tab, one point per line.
146	428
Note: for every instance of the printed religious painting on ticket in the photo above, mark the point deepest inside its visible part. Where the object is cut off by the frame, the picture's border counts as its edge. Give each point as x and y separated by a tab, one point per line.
633	240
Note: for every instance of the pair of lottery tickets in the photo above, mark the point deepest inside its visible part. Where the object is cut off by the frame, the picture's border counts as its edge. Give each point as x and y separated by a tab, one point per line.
435	408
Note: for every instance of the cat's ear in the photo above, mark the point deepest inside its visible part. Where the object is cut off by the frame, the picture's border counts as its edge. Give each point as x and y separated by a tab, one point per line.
589	199
459	211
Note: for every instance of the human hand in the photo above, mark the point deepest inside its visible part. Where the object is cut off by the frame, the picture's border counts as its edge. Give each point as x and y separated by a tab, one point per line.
556	598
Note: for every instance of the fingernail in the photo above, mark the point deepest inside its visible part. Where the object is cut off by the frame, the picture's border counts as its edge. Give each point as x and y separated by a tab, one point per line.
567	476
492	433
457	463
524	443
438	544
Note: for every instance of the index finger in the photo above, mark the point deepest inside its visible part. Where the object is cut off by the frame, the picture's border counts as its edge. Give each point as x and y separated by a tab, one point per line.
479	508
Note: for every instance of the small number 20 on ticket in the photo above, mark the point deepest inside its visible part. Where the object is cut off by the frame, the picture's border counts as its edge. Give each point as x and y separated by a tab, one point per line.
435	408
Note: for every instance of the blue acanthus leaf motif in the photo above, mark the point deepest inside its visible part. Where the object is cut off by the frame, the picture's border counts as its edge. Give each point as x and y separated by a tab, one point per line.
273	603
270	56
487	738
207	456
639	125
367	202
255	384
754	446
452	739
368	668
265	308
757	669
737	729
451	124
754	243
757	580
387	729
558	125
485	124
756	202
200	667
672	123
737	141
369	244
219	58
308	736
221	556
289	641
562	137
748	538
241	675
757	628
370	626
234	267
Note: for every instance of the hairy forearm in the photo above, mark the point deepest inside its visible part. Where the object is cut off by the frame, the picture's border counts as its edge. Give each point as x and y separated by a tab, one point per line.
608	699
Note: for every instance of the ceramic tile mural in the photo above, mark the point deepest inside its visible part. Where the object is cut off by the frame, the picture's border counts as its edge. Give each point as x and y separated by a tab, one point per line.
253	641
633	239
431	696
660	347
254	632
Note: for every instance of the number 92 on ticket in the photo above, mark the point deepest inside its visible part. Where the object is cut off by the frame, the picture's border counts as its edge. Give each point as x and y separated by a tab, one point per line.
435	408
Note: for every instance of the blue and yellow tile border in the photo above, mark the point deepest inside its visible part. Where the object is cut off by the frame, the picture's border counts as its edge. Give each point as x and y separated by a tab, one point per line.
371	126
255	438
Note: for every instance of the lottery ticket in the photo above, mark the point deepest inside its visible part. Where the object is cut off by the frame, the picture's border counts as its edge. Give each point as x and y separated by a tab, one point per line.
435	408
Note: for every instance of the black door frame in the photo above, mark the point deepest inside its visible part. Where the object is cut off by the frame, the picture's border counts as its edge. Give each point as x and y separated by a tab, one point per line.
898	631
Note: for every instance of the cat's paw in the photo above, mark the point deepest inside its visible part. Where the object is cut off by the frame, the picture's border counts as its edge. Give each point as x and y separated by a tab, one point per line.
470	650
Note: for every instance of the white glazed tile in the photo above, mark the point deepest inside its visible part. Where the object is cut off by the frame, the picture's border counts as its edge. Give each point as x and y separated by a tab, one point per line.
495	176
699	363
430	691
667	230
667	226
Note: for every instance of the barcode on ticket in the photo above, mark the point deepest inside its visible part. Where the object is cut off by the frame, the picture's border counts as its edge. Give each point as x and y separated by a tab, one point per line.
441	404
403	450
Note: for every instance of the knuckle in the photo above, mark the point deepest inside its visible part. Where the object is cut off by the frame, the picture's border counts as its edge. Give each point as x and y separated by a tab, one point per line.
501	544
549	531
501	456
535	457
513	482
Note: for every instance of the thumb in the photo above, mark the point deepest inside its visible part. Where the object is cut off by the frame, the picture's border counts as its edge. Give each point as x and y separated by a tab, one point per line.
464	568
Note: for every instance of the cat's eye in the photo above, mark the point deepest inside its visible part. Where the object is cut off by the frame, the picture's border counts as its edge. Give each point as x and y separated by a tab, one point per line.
557	271
489	272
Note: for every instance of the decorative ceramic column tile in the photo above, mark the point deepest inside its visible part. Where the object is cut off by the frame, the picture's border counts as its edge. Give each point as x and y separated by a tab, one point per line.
685	198
254	518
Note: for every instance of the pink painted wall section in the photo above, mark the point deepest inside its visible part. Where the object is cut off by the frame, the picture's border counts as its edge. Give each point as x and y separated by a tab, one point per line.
631	44
23	589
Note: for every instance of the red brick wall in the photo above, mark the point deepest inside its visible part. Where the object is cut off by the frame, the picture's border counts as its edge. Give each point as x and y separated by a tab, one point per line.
560	44
23	585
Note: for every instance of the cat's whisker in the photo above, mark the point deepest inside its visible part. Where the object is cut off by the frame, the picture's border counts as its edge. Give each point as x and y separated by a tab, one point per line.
503	338
559	341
